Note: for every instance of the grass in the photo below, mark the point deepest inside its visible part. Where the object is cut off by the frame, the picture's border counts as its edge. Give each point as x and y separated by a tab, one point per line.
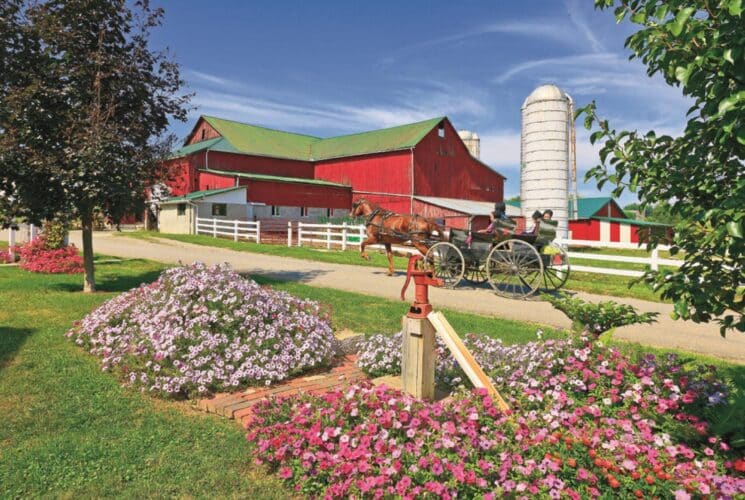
616	286
70	430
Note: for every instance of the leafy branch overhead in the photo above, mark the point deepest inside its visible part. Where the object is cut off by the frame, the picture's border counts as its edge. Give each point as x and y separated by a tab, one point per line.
699	47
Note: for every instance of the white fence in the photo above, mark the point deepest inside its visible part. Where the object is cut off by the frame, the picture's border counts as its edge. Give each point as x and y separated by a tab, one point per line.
344	236
238	229
653	261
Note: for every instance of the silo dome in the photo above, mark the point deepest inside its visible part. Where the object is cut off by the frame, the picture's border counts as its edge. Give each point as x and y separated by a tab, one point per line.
472	142
544	168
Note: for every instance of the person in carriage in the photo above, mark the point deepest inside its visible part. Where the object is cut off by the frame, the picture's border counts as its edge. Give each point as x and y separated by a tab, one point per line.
537	218
498	220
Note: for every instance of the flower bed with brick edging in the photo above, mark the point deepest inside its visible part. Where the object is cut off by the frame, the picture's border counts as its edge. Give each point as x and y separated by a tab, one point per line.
198	330
586	421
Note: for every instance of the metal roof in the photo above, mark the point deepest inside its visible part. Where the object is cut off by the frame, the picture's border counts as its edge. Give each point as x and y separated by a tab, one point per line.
468	207
198	195
586	207
274	178
633	222
237	137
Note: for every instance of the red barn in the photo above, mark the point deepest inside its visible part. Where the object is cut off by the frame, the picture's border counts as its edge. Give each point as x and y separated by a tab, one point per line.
281	169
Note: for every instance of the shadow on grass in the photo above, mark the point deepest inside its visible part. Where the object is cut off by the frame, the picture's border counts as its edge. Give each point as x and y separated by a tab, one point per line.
112	281
11	340
283	276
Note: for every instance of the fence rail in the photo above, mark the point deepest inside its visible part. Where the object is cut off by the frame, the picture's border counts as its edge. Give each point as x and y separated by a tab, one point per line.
344	236
238	229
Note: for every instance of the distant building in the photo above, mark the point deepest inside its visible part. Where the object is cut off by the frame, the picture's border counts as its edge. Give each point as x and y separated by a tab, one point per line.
602	219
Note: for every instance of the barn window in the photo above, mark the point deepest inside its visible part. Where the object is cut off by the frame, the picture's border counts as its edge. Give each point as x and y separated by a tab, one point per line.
275	210
219	209
441	130
328	212
204	133
181	209
303	211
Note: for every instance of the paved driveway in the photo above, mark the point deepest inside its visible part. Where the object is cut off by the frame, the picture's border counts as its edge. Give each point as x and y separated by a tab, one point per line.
686	335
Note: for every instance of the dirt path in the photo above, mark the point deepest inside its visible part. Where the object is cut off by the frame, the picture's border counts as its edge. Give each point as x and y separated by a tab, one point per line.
666	333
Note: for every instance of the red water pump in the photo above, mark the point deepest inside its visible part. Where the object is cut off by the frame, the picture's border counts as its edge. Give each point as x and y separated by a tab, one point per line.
422	280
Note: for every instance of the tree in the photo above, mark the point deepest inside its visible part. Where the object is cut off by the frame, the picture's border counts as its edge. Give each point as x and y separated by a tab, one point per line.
699	46
86	104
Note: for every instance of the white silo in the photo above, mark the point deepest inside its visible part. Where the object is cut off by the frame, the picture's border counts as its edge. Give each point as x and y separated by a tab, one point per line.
544	154
472	142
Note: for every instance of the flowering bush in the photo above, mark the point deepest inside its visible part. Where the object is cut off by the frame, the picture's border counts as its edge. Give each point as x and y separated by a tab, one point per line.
587	421
36	256
199	329
600	317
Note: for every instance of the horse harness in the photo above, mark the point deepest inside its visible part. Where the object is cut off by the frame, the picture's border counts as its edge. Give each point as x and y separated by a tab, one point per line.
382	231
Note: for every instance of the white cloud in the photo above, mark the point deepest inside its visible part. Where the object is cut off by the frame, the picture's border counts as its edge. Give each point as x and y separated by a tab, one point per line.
578	20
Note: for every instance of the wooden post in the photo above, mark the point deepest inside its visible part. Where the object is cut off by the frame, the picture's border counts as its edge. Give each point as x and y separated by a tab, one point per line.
299	234
289	233
418	358
328	236
655	256
235	230
258	231
214	228
344	236
11	243
33	232
362	235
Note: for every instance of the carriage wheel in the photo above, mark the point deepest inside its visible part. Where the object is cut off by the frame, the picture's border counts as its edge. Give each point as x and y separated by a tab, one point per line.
556	266
514	269
476	273
447	262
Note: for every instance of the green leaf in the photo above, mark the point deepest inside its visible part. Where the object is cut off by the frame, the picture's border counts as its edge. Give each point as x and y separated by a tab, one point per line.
731	102
734	228
740	134
676	27
661	12
727	55
735	7
683	73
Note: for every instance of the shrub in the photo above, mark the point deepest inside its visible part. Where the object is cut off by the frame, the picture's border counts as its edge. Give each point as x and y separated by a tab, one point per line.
600	317
199	329
54	234
36	256
587	421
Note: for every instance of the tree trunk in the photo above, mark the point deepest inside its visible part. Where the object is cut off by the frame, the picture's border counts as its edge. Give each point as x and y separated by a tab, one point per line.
89	280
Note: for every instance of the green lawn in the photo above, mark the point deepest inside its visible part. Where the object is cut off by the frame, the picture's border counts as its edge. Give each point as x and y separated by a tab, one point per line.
616	286
70	430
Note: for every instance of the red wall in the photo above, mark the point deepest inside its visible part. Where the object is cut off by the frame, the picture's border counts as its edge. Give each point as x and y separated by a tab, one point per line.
444	168
216	160
182	176
377	173
214	181
615	211
297	195
452	218
587	229
615	231
202	126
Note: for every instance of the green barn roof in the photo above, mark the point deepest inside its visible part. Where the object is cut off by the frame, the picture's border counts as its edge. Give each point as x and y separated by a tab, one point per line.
198	195
586	207
237	137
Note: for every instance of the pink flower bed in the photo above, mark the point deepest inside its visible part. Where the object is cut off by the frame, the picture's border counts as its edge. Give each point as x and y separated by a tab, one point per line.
586	422
37	257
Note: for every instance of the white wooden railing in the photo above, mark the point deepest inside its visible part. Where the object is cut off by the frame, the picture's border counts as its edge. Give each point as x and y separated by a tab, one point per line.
341	236
238	229
653	261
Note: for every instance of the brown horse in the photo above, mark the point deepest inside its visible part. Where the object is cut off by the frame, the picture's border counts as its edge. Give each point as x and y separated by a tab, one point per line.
386	227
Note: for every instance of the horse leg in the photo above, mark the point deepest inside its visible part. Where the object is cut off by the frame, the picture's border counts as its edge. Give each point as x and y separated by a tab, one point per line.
389	254
368	241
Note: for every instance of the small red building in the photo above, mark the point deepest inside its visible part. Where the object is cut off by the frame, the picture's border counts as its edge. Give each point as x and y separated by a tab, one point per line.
601	219
281	169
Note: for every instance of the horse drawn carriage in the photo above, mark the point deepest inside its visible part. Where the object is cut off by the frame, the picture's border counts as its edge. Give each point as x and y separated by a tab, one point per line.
515	265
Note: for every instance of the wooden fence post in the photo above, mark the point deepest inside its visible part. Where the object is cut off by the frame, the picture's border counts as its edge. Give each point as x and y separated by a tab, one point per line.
299	234
289	233
328	236
418	358
214	228
235	230
655	256
258	231
33	232
344	236
362	235
11	243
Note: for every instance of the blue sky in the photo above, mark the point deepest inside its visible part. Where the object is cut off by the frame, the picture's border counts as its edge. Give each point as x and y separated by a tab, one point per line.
330	67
